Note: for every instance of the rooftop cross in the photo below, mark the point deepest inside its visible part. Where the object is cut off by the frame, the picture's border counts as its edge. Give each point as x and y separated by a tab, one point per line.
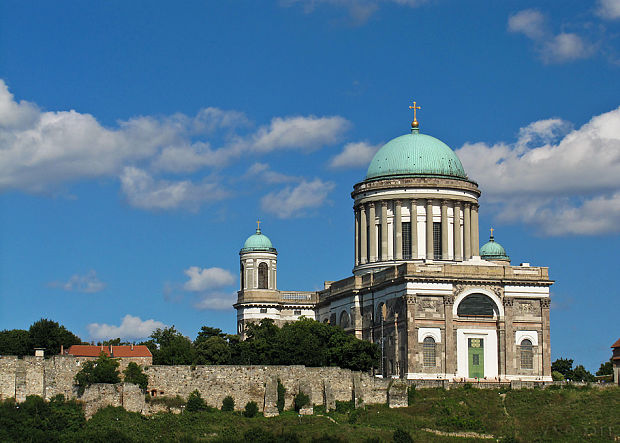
414	123
492	232
258	225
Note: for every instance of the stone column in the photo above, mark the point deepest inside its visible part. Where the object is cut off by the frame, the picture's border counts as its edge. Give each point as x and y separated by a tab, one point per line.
397	368
364	234
356	239
429	230
475	245
449	345
444	229
398	231
413	220
458	247
546	337
467	230
384	231
373	231
412	338
510	337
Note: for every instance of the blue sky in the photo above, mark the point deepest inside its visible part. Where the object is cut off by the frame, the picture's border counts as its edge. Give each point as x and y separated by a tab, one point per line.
140	141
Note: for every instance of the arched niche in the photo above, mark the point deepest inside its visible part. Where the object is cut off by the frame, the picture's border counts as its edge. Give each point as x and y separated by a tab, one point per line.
478	303
345	320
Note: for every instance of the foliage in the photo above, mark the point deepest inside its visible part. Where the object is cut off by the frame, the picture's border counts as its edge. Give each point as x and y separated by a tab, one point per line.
557	376
102	370
49	335
605	369
251	409
170	347
410	395
133	374
168	401
300	401
114	342
212	351
401	436
342	407
281	396
195	402
582	374
15	342
564	366
228	404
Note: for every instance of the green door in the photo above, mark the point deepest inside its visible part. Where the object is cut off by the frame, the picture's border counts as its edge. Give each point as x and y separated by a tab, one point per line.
475	357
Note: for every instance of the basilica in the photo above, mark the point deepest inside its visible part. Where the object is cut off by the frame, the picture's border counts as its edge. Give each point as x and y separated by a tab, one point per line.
438	305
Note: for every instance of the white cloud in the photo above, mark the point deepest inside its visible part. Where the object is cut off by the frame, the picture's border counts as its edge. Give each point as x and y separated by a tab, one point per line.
354	155
130	328
609	9
360	10
565	182
263	172
552	48
201	279
145	192
292	201
217	301
87	283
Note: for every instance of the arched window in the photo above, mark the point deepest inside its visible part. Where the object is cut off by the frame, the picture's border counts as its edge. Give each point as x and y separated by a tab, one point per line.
344	320
527	355
477	305
242	276
262	276
429	352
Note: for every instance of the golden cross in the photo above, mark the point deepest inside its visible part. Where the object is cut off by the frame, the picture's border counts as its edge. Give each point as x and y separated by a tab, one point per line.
492	231
258	224
415	108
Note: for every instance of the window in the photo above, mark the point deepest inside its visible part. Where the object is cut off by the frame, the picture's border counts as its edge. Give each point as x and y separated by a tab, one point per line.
407	240
476	305
262	276
379	249
297	312
527	355
242	276
429	352
437	240
344	320
263	310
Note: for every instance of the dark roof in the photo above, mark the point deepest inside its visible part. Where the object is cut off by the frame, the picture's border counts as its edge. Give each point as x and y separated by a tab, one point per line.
616	344
117	351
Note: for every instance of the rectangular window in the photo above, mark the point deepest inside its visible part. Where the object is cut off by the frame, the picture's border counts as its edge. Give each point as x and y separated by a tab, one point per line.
379	242
297	312
263	310
437	240
406	240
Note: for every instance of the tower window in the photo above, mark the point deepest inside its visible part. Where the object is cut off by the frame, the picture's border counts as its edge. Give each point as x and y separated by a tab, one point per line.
262	276
429	352
406	240
527	355
242	277
437	240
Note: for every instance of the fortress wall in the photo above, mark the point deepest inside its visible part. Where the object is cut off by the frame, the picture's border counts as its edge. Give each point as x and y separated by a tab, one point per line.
8	368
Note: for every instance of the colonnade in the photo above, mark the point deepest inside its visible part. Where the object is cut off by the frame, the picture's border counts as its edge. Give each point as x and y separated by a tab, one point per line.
368	249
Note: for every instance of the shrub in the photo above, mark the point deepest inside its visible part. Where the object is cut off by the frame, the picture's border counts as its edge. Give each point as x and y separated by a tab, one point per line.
102	370
301	400
167	401
228	404
195	402
133	374
410	395
401	436
251	409
344	406
557	376
281	394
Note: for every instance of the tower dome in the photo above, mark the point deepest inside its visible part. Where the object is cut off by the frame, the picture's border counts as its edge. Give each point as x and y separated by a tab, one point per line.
415	154
493	251
258	242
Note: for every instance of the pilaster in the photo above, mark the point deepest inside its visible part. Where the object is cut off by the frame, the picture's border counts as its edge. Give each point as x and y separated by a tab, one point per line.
363	234
444	229
384	231
467	230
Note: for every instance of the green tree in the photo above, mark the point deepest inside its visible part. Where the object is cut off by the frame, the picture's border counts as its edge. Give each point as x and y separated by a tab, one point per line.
15	342
170	347
564	366
605	369
582	374
228	404
114	342
251	409
195	402
102	370
212	351
49	335
281	396
133	374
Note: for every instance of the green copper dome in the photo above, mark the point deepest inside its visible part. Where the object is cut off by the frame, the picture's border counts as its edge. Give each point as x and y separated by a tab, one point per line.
258	242
415	154
492	250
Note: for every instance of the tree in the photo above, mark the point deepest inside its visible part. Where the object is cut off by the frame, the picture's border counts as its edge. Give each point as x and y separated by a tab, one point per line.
228	404
170	347
564	366
212	351
15	342
251	409
102	370
582	374
133	374
195	402
49	335
605	369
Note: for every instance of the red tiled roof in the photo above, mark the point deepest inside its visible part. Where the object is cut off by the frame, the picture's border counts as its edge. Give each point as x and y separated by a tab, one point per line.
616	344
117	351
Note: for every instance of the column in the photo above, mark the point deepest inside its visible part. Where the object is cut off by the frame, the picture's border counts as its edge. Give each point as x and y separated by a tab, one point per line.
373	231
467	230
444	229
357	236
412	339
413	220
398	231
429	230
363	235
475	245
545	340
458	247
510	337
384	231
449	344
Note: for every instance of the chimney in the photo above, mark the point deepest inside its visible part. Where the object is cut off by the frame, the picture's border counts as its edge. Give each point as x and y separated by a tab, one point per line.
62	350
132	346
111	351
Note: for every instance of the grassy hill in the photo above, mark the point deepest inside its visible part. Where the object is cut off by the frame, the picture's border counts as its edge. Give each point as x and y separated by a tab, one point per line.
528	415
